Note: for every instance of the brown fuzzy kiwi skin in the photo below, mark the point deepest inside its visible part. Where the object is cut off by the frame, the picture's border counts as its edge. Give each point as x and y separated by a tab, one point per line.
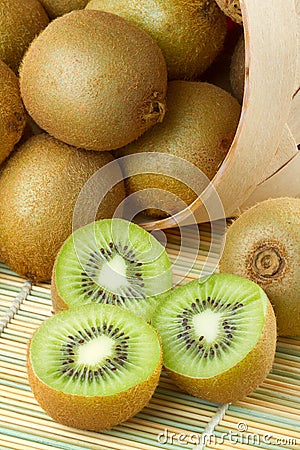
31	129
199	127
190	33
40	183
12	112
64	93
20	23
58	304
232	9
263	246
237	70
243	378
56	8
92	413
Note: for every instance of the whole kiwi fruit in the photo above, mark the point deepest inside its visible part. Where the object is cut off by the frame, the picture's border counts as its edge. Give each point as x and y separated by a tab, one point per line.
56	8
94	80
237	69
12	113
218	336
94	366
190	33
263	245
232	9
40	183
199	127
20	23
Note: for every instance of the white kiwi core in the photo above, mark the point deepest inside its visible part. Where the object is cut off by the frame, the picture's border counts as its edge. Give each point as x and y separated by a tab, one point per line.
207	324
95	351
112	275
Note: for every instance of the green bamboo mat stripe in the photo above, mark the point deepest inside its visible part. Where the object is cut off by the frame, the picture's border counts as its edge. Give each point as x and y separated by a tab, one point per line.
173	420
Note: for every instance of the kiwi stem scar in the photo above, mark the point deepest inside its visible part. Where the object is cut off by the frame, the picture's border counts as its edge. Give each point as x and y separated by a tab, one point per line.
267	261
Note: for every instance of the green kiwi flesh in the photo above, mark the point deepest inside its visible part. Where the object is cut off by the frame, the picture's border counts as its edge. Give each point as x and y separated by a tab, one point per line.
81	86
199	126
20	23
111	261
190	33
12	113
218	337
56	8
40	183
263	245
94	366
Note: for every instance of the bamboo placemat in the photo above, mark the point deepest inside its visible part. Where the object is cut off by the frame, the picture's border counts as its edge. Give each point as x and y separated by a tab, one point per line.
267	419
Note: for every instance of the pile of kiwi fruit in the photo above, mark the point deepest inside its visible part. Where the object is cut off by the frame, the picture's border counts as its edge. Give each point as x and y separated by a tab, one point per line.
103	80
85	83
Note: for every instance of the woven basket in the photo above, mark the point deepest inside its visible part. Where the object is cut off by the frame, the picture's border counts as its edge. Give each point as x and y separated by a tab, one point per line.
263	143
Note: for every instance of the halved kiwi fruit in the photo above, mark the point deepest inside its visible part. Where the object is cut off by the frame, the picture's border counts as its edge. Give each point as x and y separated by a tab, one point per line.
218	337
94	366
263	245
111	261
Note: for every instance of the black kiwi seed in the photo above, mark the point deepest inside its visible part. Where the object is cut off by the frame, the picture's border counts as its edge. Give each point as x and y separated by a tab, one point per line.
79	338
